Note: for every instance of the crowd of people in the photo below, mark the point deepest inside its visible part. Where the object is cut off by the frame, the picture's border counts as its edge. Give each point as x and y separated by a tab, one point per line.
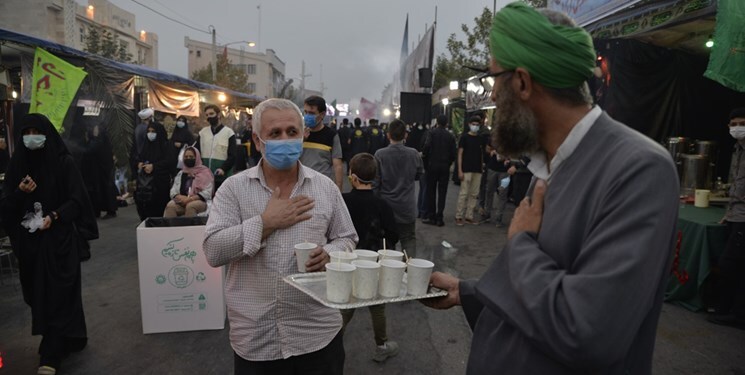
577	288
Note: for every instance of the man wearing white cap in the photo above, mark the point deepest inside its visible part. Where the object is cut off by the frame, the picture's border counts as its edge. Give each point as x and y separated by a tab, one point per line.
147	116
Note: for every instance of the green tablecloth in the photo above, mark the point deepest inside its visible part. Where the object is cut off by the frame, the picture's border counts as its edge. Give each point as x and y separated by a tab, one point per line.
703	240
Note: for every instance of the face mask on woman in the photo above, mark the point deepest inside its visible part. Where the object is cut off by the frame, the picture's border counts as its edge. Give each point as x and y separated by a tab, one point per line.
152	136
34	141
474	128
282	154
180	124
190	162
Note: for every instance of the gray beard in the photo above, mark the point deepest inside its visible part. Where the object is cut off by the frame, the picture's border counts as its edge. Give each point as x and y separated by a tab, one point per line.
516	130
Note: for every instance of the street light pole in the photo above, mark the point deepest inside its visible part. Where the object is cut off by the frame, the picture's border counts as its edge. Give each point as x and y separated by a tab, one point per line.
214	54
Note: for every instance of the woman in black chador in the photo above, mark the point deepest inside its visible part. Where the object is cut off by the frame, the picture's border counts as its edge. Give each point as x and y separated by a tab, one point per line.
98	171
181	137
154	166
47	213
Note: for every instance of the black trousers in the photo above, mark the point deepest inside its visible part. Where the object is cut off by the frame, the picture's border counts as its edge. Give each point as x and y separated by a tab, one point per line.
326	361
732	268
437	189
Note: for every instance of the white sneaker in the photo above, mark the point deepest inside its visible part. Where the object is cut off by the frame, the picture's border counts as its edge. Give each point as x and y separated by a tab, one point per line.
390	350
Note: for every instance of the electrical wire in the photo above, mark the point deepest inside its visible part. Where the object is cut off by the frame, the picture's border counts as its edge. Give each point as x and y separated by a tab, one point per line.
175	12
170	18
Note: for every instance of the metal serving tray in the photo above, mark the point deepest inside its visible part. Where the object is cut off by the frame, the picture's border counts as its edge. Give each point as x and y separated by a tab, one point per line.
314	285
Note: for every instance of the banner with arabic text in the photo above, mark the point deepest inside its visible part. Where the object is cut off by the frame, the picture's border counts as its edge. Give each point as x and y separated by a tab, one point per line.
54	85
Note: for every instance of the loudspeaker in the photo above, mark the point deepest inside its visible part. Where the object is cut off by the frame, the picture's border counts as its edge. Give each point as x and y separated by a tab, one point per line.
425	77
416	107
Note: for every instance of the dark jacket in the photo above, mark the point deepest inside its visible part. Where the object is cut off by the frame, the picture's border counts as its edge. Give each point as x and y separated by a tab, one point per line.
439	148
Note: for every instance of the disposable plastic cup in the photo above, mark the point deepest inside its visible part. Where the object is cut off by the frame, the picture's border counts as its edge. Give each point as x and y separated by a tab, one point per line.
391	277
365	280
339	282
302	253
391	254
342	256
366	255
418	272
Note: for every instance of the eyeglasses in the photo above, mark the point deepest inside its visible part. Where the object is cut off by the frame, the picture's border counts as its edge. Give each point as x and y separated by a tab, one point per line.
487	80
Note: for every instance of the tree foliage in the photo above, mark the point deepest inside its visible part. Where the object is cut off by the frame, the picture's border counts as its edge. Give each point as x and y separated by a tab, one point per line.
228	75
102	42
472	51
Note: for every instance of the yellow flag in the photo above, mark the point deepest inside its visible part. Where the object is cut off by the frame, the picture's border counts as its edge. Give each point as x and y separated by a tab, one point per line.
54	85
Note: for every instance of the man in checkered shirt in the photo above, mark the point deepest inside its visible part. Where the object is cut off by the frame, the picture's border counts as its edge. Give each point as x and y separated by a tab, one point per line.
256	219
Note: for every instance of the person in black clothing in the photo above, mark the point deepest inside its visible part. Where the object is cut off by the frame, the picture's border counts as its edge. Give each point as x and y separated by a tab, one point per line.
415	140
359	140
98	172
377	137
42	178
498	168
438	153
154	166
345	133
520	179
181	137
373	220
4	152
246	154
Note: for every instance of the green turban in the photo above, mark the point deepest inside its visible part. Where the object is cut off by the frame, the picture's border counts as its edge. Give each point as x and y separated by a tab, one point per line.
556	56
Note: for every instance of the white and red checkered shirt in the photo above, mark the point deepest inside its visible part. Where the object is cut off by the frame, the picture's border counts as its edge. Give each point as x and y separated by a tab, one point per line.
269	319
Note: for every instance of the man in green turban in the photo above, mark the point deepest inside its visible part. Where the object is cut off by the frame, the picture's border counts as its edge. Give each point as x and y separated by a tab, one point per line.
578	288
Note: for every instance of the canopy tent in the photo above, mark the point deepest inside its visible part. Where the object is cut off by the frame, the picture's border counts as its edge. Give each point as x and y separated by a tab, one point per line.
109	90
652	59
234	97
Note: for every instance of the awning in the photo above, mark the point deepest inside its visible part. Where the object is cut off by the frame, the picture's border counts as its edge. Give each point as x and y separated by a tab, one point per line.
235	97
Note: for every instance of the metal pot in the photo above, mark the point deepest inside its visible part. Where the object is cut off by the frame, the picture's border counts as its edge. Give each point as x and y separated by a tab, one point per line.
695	173
679	145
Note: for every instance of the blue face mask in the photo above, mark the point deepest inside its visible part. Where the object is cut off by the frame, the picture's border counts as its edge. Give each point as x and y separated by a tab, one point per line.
152	136
310	121
282	154
34	141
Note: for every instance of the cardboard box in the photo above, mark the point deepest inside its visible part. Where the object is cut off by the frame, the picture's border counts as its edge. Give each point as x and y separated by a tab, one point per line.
179	291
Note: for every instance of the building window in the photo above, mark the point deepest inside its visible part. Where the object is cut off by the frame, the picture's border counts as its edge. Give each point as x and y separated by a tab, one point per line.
199	53
82	35
251	87
251	69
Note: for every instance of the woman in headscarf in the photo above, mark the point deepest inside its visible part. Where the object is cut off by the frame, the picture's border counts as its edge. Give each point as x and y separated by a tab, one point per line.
154	167
42	183
180	137
192	188
98	171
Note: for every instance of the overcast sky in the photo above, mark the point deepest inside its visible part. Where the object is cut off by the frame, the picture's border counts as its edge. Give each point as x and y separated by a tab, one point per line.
358	42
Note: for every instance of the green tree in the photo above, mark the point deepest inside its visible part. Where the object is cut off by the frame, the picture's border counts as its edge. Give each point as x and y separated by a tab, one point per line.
228	75
472	51
103	42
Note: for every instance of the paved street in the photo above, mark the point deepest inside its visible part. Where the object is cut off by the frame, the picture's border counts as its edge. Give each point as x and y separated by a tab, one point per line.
432	342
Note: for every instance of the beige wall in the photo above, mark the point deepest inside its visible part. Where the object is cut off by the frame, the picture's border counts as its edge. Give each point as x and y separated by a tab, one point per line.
200	56
45	19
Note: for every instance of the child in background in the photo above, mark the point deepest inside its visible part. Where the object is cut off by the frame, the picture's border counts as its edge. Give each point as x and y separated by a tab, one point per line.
373	221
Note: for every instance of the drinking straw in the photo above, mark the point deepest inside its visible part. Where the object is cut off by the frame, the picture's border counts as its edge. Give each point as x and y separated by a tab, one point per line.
384	244
405	256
